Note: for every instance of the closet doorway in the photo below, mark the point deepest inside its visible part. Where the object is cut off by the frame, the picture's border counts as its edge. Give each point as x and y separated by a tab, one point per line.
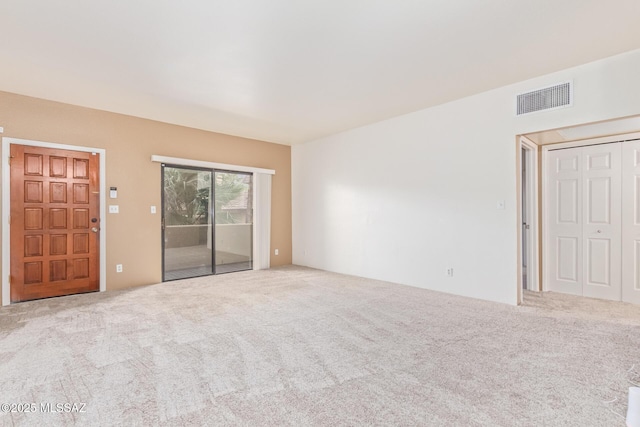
207	221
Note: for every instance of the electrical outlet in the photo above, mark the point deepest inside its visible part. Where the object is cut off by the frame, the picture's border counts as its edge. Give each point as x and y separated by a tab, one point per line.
118	268
450	271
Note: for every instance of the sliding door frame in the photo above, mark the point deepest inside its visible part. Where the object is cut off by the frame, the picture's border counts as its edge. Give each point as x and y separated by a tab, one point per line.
262	182
211	216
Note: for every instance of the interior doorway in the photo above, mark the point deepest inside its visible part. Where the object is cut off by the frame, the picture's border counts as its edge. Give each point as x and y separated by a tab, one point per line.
528	231
207	221
590	178
525	217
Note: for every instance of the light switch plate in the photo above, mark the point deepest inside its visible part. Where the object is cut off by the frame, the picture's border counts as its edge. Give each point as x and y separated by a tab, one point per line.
153	209
114	209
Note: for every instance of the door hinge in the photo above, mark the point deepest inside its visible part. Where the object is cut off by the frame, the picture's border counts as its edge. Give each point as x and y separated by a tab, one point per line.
9	219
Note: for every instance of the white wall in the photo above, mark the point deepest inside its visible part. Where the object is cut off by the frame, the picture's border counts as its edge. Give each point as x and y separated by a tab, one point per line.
403	199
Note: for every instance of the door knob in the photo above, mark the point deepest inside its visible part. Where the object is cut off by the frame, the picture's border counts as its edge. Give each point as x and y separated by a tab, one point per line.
94	229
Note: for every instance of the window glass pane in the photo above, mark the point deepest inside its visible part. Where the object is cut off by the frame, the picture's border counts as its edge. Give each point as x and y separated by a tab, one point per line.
233	221
187	223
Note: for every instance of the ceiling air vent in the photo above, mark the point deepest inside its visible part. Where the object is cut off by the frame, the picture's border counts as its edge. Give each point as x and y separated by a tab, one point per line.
548	98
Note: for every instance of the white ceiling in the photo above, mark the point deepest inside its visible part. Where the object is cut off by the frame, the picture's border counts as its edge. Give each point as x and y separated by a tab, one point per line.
289	71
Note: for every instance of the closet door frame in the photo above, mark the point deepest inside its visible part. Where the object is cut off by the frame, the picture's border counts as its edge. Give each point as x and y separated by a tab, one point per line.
545	190
630	221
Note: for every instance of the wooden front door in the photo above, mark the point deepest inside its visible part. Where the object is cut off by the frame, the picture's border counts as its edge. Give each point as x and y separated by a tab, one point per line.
55	207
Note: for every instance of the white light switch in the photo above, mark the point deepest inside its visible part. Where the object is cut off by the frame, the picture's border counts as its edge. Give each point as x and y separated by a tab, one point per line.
153	209
277	252
500	204
1	130
114	209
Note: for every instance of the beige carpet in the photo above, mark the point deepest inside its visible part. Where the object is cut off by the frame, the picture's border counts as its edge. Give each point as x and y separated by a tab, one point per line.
295	346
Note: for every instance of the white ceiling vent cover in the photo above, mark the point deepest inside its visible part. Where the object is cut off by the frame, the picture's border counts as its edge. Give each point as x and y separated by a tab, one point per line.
547	98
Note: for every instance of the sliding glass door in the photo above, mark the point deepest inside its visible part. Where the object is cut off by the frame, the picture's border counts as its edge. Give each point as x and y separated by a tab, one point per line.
234	221
207	222
187	219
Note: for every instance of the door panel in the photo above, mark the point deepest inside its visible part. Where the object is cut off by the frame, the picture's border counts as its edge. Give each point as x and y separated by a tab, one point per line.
564	222
631	222
599	273
568	197
568	259
601	229
598	201
187	249
54	193
233	221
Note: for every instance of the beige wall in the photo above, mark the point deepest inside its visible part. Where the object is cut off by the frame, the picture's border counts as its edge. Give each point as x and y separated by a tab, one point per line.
134	235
